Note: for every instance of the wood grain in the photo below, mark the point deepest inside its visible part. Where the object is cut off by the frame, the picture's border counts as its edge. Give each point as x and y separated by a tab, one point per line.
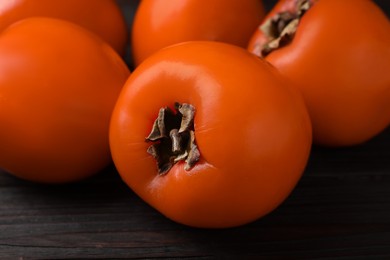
341	207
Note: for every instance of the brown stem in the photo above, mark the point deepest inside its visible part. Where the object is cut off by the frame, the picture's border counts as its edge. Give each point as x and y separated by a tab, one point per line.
281	28
173	138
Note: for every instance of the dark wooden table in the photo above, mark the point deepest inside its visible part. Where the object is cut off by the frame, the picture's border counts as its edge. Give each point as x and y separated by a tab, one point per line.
340	208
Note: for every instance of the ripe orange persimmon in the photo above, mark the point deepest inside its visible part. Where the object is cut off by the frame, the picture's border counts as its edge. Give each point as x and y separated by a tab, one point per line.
103	17
160	23
209	135
58	86
339	58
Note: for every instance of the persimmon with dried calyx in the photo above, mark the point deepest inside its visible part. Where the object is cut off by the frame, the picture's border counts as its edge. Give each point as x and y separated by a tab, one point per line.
209	135
103	17
337	53
58	86
160	23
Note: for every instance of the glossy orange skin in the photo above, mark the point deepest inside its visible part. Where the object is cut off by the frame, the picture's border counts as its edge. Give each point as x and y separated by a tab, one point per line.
103	17
58	86
160	23
339	59
252	130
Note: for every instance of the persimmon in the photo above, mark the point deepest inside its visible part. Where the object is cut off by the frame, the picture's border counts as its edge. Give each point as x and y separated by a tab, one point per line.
160	23
103	17
338	55
209	135
58	86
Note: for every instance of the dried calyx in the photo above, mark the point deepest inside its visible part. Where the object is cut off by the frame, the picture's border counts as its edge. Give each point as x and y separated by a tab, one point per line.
281	28
173	138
